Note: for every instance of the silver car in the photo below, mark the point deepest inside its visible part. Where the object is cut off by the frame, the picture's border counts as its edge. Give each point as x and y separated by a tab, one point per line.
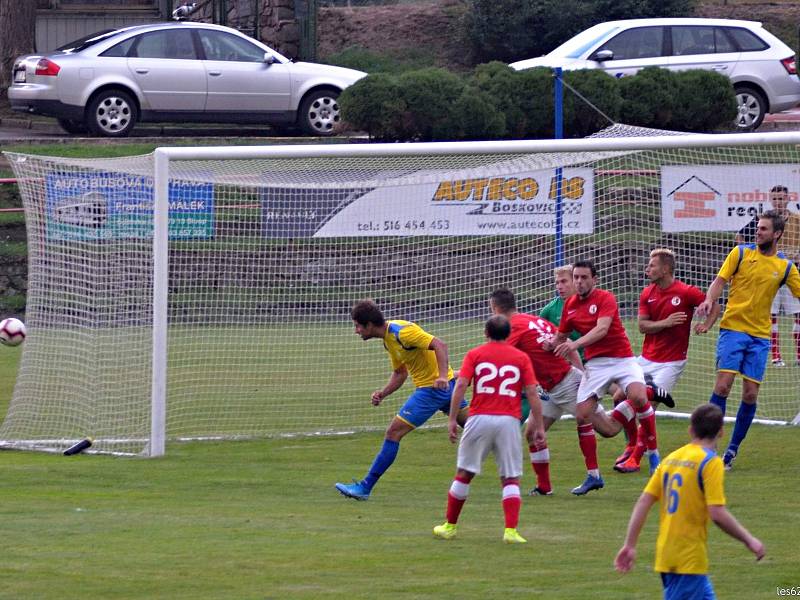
177	72
761	67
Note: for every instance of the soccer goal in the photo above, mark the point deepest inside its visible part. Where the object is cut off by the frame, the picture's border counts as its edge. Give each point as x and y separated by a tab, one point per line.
205	292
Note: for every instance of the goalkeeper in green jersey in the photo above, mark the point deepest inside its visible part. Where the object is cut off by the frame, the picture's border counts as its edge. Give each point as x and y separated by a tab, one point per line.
565	288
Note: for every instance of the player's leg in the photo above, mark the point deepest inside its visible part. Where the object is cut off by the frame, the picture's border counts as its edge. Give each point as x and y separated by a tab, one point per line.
775	342
731	346
540	453
508	455
474	446
630	445
753	368
587	441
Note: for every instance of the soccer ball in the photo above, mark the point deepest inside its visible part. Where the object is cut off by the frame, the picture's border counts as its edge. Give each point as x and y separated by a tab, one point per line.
12	332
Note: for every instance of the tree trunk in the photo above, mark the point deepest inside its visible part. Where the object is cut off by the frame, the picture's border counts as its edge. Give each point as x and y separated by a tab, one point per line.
17	36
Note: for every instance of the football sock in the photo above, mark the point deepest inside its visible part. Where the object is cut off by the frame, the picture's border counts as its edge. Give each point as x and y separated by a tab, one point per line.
588	444
459	490
647	421
383	460
774	341
743	420
624	413
540	461
638	452
720	401
511	502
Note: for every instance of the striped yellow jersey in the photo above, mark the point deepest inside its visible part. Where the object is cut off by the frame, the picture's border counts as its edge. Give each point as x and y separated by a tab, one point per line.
407	344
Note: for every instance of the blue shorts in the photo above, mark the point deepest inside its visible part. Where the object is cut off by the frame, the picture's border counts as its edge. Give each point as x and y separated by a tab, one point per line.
739	352
687	587
424	402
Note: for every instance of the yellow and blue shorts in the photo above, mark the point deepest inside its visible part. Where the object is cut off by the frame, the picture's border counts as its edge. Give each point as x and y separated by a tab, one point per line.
680	587
739	352
424	402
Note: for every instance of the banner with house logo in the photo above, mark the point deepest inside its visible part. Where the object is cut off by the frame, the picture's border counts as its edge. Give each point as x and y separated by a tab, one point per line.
722	197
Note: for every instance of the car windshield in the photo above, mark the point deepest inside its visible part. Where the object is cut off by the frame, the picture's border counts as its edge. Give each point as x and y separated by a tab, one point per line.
578	45
86	41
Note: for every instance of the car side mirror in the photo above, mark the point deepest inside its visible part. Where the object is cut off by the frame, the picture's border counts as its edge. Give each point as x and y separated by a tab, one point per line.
604	55
268	58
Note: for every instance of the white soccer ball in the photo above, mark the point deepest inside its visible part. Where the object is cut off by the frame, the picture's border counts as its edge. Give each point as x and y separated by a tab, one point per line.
12	332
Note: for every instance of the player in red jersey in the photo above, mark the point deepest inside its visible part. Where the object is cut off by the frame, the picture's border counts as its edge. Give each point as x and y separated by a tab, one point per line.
500	373
559	379
666	307
594	314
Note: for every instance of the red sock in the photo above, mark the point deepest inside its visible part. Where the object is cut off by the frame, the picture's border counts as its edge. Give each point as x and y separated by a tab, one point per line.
459	490
540	461
638	452
511	502
588	444
774	341
647	419
625	414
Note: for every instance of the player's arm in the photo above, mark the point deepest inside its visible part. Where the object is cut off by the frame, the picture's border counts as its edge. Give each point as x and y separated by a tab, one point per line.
712	317
646	325
728	523
626	556
455	406
535	423
597	333
712	296
442	362
396	381
575	360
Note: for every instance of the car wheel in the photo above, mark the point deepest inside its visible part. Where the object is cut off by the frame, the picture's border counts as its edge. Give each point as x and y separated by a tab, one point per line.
319	113
751	107
71	126
112	113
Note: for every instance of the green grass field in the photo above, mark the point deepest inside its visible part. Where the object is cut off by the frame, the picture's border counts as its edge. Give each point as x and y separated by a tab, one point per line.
260	519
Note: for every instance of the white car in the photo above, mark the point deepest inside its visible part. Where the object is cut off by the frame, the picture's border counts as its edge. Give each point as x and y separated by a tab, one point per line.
178	72
761	67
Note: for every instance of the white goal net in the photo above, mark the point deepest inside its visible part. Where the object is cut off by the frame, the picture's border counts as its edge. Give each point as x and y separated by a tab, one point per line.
237	324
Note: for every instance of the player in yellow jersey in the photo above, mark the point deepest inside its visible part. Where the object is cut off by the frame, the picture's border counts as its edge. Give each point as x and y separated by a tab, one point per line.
414	352
755	272
689	485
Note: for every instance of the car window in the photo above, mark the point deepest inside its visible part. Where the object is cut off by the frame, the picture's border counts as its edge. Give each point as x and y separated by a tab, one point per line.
168	43
120	49
640	42
746	40
87	40
723	42
219	45
687	41
576	46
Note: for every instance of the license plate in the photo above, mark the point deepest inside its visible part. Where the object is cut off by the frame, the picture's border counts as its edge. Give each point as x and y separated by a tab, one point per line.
19	76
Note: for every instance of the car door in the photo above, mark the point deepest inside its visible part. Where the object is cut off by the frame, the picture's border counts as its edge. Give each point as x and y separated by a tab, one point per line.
633	49
239	79
169	73
702	47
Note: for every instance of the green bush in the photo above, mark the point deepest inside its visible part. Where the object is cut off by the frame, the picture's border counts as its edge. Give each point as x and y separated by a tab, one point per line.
705	101
374	104
429	96
649	98
477	116
600	90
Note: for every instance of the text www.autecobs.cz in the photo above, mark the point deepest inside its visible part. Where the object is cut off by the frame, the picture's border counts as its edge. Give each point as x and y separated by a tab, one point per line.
549	225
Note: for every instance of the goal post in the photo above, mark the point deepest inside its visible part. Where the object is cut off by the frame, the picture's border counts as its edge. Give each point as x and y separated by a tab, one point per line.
204	292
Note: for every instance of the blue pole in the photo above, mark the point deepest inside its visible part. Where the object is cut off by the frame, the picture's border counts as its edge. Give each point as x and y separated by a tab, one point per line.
558	89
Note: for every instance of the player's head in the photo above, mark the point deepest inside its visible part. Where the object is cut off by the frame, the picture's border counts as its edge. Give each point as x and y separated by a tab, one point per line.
706	422
584	276
661	265
770	229
502	301
564	285
368	319
497	328
779	197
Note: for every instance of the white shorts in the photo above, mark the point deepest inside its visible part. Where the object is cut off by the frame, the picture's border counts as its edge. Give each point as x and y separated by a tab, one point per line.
498	434
562	396
662	374
785	302
601	372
